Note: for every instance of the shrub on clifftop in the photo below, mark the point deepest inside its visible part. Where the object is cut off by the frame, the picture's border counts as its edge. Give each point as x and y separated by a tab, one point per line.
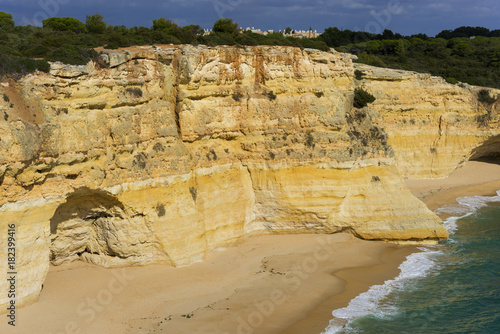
64	24
95	24
226	26
6	21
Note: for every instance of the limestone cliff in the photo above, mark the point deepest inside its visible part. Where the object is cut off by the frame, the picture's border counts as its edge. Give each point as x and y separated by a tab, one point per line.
433	126
158	154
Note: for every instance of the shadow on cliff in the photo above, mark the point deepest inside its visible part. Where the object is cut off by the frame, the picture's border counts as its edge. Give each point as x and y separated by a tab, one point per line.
488	152
83	224
94	226
85	204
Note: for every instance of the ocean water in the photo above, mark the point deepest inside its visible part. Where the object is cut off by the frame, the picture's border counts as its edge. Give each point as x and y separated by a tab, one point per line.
453	287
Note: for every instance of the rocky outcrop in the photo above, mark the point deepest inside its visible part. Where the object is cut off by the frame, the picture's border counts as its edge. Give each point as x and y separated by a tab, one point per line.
433	126
167	152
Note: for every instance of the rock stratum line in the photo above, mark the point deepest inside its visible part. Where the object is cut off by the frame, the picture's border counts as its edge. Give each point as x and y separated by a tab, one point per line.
158	154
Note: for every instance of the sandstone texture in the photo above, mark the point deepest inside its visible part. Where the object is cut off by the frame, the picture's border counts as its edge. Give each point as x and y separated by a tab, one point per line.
167	152
433	126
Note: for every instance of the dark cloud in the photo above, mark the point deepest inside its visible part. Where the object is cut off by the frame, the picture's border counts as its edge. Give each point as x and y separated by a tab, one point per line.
403	16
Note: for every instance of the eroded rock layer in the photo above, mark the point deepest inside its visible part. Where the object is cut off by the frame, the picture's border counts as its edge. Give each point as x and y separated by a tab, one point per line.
433	126
166	152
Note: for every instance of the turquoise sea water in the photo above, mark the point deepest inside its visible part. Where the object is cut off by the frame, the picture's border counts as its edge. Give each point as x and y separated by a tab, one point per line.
453	287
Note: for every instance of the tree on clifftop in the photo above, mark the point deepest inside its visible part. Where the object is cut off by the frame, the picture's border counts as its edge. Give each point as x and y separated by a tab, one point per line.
165	26
226	26
64	24
95	24
6	21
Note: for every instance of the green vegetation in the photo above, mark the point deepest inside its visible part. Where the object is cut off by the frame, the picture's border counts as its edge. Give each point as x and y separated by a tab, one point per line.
359	74
237	96
452	54
309	139
226	26
362	98
482	120
362	130
466	54
64	24
474	61
483	96
95	24
135	92
21	65
140	160
160	210
24	49
6	21
271	96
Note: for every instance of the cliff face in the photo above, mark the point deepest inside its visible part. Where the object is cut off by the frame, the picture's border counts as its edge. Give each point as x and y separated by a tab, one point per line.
168	152
433	126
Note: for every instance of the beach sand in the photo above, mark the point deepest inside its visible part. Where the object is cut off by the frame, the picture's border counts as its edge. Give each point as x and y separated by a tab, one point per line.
264	284
473	179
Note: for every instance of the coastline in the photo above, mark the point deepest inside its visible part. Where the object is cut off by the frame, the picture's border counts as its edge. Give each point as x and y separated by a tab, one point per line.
264	284
357	280
261	285
474	178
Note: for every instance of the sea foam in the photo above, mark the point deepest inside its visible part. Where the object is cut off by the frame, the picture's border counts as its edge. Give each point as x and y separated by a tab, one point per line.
465	207
415	266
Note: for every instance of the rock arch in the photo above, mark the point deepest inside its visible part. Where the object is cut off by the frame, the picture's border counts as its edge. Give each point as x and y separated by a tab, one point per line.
94	226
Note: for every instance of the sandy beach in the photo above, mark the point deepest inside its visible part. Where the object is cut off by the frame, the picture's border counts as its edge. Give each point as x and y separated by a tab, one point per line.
263	284
473	179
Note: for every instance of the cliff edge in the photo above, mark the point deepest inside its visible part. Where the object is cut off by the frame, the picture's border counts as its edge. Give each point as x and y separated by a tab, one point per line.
158	154
433	126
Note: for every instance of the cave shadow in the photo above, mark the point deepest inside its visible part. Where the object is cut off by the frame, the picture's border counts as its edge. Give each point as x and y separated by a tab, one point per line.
488	152
85	204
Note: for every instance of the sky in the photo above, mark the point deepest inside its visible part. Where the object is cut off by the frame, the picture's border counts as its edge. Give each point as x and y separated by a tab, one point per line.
406	17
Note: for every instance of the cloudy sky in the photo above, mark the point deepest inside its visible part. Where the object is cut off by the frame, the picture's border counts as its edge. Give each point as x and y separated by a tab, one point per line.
404	16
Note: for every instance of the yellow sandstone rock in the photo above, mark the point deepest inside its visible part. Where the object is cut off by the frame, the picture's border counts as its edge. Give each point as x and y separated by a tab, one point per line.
433	126
168	152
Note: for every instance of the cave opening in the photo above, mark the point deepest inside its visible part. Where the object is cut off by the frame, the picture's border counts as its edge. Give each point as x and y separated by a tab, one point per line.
82	225
94	226
488	152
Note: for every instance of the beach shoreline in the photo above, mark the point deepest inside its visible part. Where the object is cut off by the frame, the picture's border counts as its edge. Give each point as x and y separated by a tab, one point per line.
264	284
474	178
